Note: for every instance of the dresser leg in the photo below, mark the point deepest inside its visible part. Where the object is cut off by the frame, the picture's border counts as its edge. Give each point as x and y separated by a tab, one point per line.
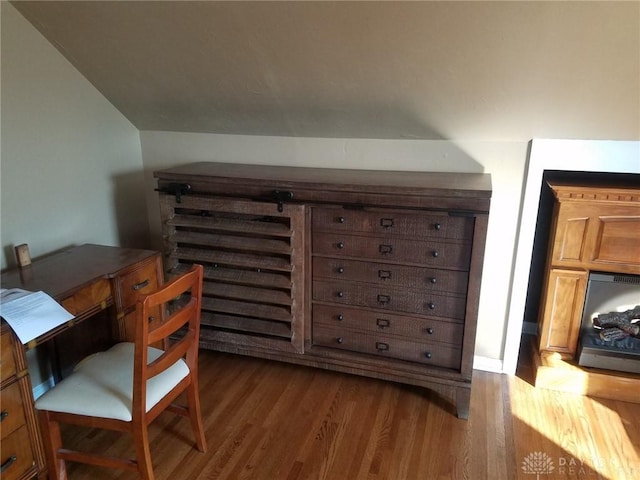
463	400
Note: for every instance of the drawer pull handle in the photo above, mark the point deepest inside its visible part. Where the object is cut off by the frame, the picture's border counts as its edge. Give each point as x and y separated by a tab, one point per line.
340	317
437	226
427	355
384	274
433	280
430	331
340	244
10	461
340	269
384	299
141	285
382	347
386	249
435	254
340	294
3	415
339	340
386	222
341	219
383	323
431	305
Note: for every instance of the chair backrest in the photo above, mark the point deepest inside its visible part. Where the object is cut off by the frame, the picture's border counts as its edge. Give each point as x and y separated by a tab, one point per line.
185	295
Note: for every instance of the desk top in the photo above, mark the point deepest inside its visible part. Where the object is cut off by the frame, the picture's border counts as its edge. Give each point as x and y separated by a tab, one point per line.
63	272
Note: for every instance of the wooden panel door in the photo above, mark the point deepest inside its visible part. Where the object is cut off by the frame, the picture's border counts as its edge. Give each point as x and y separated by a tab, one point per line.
563	304
253	254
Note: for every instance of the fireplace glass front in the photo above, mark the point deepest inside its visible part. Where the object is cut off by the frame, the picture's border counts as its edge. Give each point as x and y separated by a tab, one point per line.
610	328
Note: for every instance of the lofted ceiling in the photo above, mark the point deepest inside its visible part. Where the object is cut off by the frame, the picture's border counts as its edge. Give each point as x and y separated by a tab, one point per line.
427	70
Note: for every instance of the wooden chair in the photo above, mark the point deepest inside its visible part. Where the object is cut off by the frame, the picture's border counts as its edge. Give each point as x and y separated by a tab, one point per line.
129	385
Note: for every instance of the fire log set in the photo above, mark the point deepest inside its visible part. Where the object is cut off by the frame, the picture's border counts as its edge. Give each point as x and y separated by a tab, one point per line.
614	326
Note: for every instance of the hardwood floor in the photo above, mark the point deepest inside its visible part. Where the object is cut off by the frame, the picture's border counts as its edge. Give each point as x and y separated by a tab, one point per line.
270	421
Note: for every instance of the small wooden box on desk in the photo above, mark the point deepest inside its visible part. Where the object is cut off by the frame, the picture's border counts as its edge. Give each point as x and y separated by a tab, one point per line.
97	284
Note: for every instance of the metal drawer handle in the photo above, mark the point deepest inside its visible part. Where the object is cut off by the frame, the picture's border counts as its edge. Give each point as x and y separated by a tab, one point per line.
430	331
383	323
340	317
386	222
340	244
141	285
10	461
384	274
341	219
3	415
382	347
340	294
435	254
427	355
340	269
437	226
339	340
386	249
431	305
433	280
384	299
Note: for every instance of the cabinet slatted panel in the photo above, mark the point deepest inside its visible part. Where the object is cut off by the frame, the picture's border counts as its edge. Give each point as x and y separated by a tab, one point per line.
253	259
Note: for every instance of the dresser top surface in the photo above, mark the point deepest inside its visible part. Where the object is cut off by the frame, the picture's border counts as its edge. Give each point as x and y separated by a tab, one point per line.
426	183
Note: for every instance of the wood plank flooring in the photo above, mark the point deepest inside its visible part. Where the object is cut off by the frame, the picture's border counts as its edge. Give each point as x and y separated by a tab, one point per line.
270	421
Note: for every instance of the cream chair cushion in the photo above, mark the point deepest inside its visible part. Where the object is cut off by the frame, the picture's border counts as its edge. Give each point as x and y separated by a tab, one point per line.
101	385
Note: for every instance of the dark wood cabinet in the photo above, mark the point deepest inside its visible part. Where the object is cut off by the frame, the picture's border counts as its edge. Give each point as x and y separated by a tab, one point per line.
365	272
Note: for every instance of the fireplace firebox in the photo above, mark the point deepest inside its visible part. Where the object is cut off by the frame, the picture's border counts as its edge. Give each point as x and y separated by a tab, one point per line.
610	328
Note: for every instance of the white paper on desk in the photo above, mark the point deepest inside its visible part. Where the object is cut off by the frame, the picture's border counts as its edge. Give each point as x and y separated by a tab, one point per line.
31	314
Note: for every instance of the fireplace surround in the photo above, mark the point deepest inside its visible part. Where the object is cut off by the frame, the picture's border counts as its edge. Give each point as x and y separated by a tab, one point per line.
594	229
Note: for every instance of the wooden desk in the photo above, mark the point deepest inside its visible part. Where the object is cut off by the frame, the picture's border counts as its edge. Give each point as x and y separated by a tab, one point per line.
91	281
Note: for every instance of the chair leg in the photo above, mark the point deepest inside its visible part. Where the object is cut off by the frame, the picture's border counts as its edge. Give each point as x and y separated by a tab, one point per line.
193	403
52	443
143	452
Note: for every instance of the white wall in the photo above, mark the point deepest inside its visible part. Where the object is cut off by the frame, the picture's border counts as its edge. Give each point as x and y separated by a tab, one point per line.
71	164
505	161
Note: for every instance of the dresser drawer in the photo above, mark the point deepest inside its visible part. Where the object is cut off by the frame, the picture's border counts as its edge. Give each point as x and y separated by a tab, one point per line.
439	355
399	300
12	410
415	328
88	298
138	282
391	275
392	223
8	365
395	250
15	454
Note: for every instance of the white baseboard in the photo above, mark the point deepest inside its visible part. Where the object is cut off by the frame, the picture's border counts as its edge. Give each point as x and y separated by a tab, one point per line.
43	388
487	364
530	328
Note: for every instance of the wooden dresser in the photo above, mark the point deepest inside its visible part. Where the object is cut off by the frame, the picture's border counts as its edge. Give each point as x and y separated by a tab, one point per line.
365	272
100	286
595	228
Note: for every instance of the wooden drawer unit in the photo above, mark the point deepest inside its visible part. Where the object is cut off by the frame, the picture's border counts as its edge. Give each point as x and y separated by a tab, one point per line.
21	456
391	275
439	254
364	272
399	348
421	329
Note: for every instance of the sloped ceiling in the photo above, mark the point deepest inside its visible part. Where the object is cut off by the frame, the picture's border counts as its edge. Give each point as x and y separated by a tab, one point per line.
429	70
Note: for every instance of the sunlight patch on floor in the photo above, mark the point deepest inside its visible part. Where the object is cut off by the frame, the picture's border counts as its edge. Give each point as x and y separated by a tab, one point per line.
566	436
